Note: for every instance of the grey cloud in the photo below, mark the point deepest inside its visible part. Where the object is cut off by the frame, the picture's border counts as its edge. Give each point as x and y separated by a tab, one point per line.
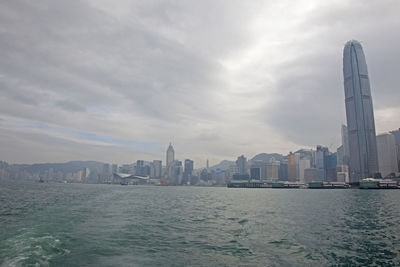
70	106
152	71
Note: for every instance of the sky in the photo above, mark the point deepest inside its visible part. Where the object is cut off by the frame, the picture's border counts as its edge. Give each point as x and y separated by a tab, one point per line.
116	81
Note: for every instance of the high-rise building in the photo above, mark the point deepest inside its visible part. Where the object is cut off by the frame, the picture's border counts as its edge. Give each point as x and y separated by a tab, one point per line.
273	170
188	170
396	134
241	163
360	114
170	155
387	154
175	173
330	167
303	164
291	167
320	165
139	170
255	173
283	171
156	169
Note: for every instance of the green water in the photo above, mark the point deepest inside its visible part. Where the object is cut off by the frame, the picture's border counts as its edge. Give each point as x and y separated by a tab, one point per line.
46	224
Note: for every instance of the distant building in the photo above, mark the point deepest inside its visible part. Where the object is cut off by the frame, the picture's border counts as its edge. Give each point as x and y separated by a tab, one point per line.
156	169
114	168
321	153
139	170
330	166
175	173
255	173
310	175
396	134
360	114
242	177
170	157
292	167
273	171
283	171
387	155
241	163
342	173
303	164
188	170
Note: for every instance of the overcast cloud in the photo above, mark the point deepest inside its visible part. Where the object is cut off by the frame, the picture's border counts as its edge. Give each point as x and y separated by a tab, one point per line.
116	81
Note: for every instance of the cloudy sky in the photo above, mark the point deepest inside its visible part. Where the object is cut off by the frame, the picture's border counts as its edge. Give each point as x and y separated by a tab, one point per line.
116	81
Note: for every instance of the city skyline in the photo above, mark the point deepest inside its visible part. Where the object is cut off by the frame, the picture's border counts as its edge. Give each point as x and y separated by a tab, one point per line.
116	83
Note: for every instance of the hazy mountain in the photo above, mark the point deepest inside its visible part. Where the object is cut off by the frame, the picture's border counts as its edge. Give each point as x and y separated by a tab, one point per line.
223	165
265	157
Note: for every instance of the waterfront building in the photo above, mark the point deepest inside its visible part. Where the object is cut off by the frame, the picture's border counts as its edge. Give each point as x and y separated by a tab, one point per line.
330	166
188	170
139	170
321	153
262	166
241	163
387	155
170	155
283	171
363	161
291	167
255	173
114	168
303	164
175	173
310	175
342	173
396	134
156	169
273	170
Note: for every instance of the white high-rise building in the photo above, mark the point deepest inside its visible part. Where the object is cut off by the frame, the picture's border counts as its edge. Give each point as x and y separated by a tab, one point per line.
303	164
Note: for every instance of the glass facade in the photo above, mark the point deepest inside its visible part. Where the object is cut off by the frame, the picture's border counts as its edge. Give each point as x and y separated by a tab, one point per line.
359	112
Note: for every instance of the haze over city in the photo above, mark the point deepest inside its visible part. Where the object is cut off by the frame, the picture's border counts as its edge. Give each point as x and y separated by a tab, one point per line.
116	82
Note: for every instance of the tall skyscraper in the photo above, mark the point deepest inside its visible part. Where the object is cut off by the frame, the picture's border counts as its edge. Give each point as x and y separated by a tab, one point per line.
170	155
360	114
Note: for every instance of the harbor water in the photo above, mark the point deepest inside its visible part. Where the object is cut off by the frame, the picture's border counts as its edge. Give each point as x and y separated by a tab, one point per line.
50	224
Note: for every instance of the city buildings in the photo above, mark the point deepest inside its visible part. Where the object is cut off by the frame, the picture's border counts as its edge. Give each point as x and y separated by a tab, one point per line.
360	114
387	154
